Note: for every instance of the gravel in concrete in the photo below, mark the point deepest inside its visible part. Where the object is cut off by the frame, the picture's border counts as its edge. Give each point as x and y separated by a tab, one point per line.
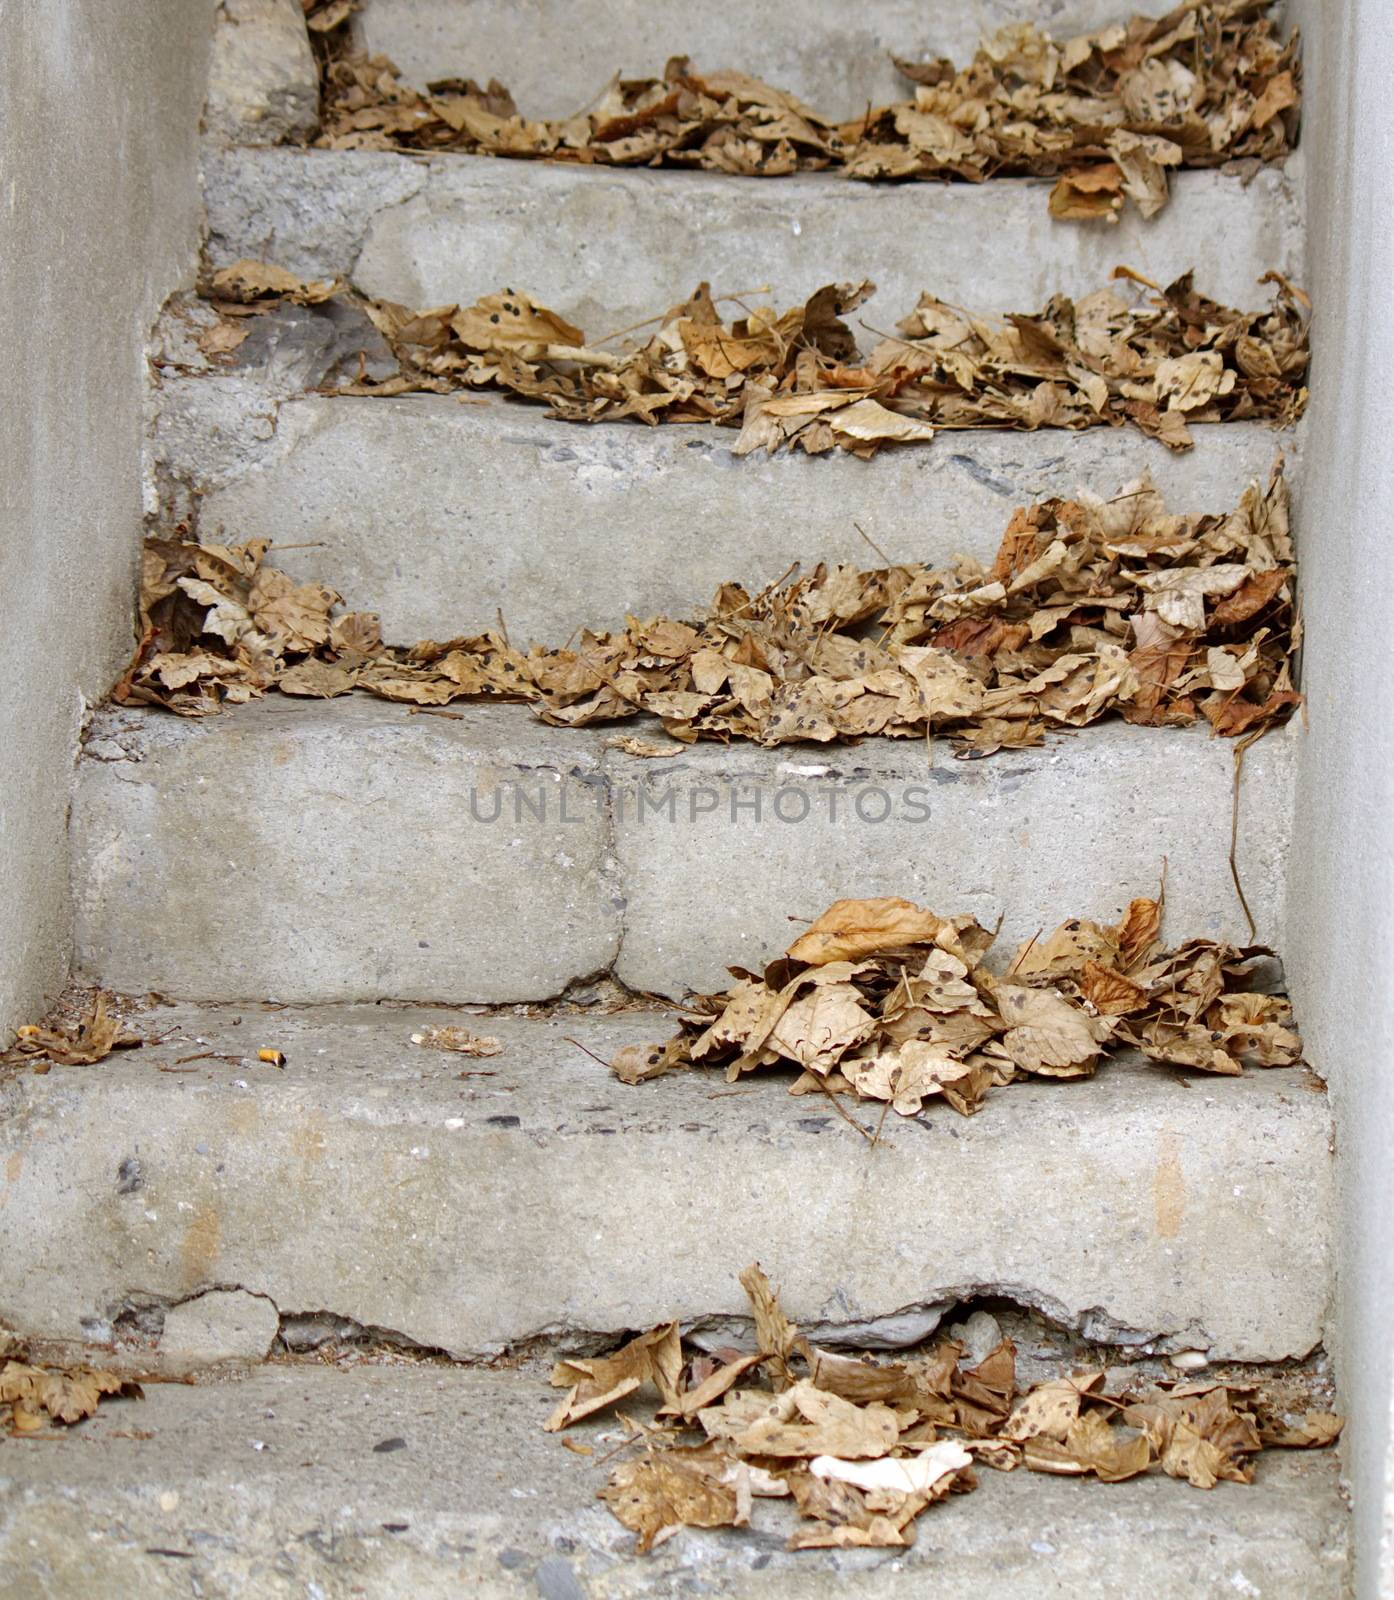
468	1204
376	1483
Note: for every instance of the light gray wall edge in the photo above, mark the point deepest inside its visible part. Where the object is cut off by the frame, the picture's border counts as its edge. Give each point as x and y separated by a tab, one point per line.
100	211
1341	885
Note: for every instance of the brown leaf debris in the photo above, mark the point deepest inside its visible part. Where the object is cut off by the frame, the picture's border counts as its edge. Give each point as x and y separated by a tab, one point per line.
862	1446
1158	361
34	1395
92	1038
1091	608
889	1002
1109	113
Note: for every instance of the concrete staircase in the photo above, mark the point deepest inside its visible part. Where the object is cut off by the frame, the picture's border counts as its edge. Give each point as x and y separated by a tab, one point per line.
327	879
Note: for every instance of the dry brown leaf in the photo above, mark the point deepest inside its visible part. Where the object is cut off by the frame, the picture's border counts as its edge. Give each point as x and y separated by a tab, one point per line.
93	1039
1157	94
777	1339
989	657
654	1357
659	1494
460	1040
850	929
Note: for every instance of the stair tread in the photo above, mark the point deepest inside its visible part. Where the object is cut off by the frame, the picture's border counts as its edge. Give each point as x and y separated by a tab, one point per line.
436	513
609	246
273	1486
349	850
537	1193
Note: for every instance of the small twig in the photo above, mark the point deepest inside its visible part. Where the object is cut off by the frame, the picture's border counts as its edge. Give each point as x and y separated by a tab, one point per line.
624	1444
841	1110
882	1123
648	322
876	547
1025	950
435	711
1239	750
309	544
591	1053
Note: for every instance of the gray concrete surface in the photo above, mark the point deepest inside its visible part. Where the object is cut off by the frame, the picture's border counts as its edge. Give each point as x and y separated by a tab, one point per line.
557	60
354	855
263	80
468	1204
310	852
1342	890
1075	828
222	1326
278	1487
607	247
435	512
98	146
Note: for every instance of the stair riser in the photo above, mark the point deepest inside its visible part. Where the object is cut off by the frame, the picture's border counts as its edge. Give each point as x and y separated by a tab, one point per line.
369	1182
609	247
438	515
353	852
556	59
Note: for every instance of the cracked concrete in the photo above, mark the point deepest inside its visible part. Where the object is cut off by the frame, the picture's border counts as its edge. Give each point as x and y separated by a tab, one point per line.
470	1205
354	851
608	247
390	1481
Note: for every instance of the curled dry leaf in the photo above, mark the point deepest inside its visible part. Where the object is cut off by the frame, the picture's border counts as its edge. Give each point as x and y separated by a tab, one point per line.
93	1038
1067	625
901	1434
920	1014
1130	354
1110	112
34	1396
654	1357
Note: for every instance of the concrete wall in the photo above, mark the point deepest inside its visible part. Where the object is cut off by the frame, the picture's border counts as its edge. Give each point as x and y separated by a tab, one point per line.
99	221
1341	897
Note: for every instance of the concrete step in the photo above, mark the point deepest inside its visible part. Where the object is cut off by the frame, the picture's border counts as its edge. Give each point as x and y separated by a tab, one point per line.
608	247
278	1488
392	1185
557	58
349	850
437	513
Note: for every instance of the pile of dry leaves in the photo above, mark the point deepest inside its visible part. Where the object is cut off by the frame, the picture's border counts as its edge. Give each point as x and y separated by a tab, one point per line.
1091	608
1157	362
863	1447
1108	114
35	1396
80	1041
889	1002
